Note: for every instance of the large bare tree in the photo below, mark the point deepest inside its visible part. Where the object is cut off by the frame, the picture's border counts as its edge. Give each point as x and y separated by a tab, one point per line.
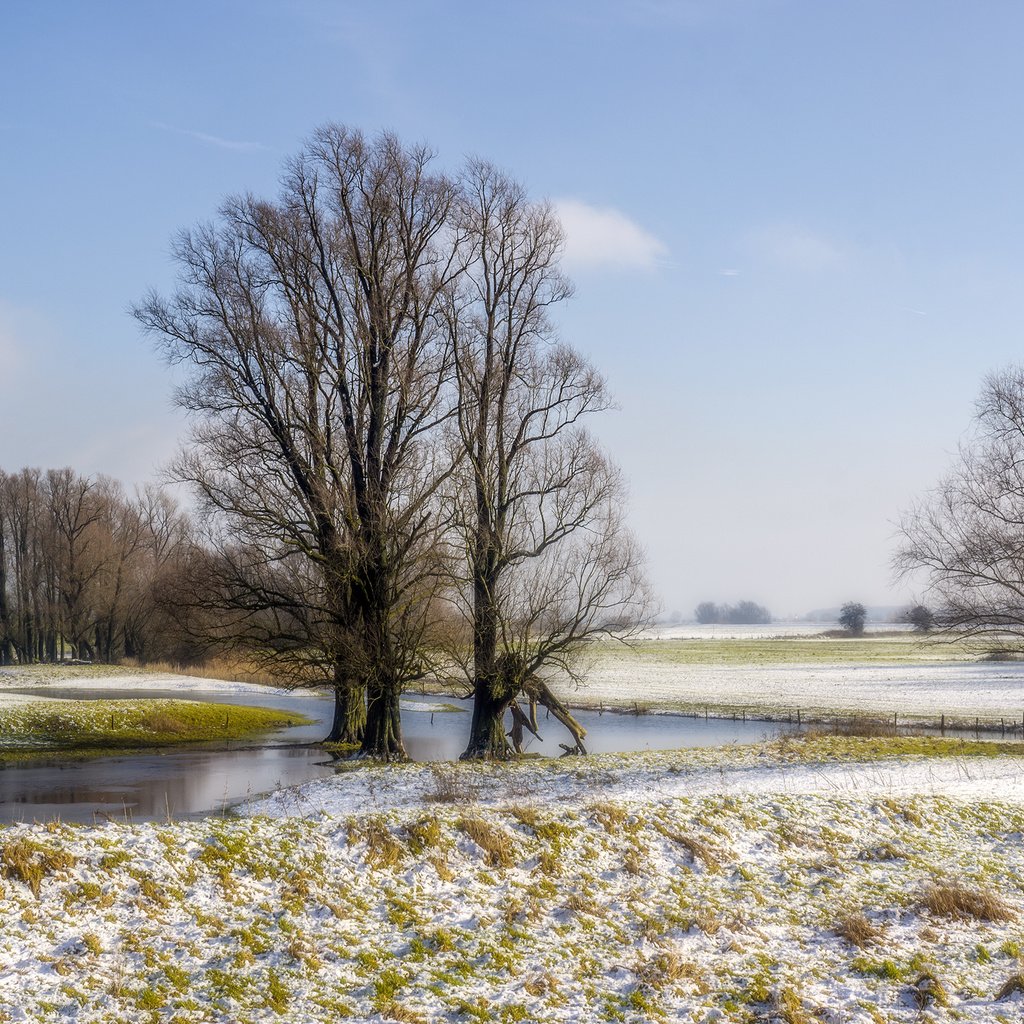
546	564
965	540
319	381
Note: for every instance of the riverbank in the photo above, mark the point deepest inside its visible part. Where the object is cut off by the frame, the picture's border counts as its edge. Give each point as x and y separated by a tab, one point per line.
31	725
617	888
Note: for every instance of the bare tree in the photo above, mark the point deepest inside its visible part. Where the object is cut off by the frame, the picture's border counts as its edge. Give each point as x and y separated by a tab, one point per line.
966	538
319	384
545	564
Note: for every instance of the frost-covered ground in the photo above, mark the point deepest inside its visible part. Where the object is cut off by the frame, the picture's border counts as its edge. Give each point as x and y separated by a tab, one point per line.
624	887
661	776
107	677
928	689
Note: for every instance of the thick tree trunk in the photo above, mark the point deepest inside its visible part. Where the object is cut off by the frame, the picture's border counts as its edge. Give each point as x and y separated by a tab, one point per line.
349	709
487	740
382	738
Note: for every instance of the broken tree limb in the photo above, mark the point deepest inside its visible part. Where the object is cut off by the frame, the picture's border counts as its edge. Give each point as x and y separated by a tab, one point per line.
538	690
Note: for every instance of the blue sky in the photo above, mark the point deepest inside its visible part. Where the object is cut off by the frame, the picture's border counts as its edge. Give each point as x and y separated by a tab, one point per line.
794	227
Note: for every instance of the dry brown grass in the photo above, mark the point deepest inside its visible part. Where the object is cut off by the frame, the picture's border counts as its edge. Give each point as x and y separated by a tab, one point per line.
1013	984
962	903
383	850
661	970
706	922
633	863
396	1011
541	985
451	786
30	862
696	848
609	815
525	814
580	904
858	930
235	669
497	843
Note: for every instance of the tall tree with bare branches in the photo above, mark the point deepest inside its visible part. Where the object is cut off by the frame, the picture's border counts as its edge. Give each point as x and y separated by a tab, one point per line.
545	563
312	327
965	540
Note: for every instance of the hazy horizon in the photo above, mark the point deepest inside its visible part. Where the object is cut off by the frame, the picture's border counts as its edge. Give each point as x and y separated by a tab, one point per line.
790	226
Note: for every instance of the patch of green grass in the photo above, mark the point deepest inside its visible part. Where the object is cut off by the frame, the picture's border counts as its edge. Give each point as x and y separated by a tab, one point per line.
98	726
885	649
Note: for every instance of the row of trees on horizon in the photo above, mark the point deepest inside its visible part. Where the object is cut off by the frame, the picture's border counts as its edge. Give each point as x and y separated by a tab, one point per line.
82	569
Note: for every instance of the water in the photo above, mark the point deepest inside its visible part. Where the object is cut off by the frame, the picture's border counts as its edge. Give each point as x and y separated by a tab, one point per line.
182	783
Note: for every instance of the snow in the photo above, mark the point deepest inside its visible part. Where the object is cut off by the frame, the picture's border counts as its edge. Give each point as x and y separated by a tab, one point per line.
623	888
660	777
103	678
964	689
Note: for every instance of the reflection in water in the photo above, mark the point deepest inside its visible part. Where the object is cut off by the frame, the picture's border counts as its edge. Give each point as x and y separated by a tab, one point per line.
187	782
151	786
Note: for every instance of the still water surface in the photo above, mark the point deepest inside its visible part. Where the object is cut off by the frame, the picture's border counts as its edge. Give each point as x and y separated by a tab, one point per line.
182	783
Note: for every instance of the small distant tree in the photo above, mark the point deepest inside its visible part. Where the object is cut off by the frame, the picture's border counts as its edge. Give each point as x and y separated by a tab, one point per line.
707	612
852	617
921	617
746	613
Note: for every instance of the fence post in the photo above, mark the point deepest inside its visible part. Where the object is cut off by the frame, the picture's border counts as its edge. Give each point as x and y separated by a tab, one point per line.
942	726
797	716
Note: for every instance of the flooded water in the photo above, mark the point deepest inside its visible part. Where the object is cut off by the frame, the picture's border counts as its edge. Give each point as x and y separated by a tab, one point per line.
182	783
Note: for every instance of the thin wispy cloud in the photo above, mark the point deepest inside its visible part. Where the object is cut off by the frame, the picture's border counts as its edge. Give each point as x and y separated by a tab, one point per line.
602	236
792	247
234	145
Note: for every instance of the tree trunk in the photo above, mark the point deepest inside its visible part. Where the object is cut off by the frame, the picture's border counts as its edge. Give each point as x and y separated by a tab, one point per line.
487	740
349	709
382	738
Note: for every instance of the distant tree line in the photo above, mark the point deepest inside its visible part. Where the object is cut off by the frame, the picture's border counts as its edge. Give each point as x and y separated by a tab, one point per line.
82	565
741	613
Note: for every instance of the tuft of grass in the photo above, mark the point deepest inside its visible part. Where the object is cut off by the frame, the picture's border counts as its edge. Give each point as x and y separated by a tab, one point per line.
928	991
525	814
858	930
661	970
30	862
396	1011
696	848
383	850
496	842
610	815
451	786
1013	984
961	903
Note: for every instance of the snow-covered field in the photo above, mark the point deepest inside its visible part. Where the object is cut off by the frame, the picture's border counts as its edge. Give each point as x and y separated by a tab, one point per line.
964	689
105	677
787	628
701	885
622	888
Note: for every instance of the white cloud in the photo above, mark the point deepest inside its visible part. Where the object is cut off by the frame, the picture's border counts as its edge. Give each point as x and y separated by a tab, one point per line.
213	140
601	236
795	248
